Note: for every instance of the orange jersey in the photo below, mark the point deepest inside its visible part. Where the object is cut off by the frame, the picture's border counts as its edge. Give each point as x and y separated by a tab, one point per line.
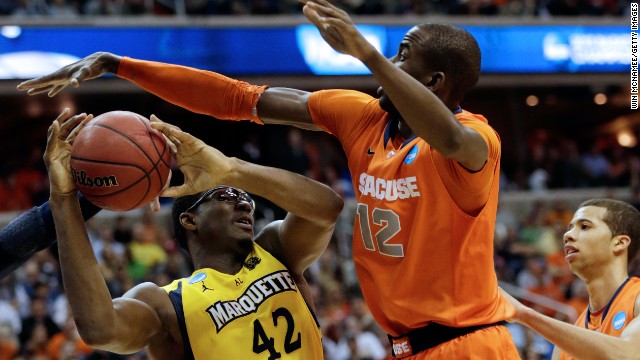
419	257
613	318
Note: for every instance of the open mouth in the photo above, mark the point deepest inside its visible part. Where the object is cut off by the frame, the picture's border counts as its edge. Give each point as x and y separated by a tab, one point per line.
570	251
245	221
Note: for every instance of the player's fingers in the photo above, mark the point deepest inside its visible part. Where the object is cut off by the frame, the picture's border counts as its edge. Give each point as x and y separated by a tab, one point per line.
33	83
69	124
56	89
63	115
176	191
329	10
166	184
154	205
160	125
154	118
311	13
36	91
80	76
76	130
53	130
52	134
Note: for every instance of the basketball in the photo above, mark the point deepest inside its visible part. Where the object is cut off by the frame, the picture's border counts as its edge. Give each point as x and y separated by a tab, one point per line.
119	162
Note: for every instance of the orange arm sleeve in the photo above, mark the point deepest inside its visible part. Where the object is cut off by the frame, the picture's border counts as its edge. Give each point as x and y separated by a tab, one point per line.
200	91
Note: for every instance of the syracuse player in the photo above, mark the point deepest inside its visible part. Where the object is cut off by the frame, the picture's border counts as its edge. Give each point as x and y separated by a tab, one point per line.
603	238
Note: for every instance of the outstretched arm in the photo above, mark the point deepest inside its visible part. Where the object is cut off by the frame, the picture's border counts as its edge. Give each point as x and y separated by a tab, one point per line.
577	341
312	207
422	110
200	91
123	326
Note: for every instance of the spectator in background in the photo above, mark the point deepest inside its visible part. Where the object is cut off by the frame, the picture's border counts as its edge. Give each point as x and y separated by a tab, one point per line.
9	344
123	232
57	345
38	321
596	166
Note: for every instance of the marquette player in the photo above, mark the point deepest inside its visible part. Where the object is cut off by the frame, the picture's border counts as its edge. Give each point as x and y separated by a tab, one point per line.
603	238
426	174
246	300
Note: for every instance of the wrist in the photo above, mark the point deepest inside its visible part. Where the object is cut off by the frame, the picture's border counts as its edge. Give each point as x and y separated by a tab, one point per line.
111	62
231	171
60	195
369	54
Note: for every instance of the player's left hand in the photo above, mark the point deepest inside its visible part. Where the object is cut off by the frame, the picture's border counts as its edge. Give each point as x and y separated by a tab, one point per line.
203	166
57	156
337	29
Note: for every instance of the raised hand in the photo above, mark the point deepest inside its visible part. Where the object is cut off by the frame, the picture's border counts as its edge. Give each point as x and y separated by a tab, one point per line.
337	29
91	67
57	155
203	166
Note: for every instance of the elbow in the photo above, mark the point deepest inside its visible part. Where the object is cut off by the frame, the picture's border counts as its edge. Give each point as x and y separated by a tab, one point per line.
337	204
97	337
451	146
333	205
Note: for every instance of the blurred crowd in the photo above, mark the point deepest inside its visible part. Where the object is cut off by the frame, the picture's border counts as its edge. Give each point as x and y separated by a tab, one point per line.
542	8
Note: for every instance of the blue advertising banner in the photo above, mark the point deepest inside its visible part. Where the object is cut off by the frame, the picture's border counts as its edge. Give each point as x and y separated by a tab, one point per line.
299	50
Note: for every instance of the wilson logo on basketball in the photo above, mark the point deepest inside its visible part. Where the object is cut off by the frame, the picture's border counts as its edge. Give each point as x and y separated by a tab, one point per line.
81	178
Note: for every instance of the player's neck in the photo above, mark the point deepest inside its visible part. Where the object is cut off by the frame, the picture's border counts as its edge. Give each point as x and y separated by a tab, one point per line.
602	287
226	263
404	130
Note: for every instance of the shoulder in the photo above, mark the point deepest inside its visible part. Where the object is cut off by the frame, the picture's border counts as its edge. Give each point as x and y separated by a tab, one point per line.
150	294
476	121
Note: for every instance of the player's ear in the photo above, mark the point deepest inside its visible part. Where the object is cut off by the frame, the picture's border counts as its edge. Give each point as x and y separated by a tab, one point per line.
188	221
435	81
620	243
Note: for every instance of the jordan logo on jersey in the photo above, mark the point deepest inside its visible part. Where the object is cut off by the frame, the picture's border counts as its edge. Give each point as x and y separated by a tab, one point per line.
252	262
224	312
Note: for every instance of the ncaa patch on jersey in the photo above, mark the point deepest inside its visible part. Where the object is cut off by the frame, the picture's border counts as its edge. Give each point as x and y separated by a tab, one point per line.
197	277
619	320
413	153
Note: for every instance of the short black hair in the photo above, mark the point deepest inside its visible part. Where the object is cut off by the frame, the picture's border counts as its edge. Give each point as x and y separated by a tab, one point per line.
455	52
622	219
179	206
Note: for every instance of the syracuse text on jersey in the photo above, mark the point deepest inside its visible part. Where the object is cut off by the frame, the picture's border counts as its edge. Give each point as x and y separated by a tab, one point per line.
224	312
389	190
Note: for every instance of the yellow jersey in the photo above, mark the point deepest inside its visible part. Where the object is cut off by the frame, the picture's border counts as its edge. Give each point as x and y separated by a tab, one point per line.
257	313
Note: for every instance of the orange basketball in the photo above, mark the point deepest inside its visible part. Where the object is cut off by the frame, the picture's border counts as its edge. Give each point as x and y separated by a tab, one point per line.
119	162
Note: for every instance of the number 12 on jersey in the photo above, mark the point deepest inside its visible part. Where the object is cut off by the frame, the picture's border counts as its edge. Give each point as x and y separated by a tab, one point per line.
390	226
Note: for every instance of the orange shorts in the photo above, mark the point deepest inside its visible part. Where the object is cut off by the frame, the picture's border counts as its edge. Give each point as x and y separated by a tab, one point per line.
491	343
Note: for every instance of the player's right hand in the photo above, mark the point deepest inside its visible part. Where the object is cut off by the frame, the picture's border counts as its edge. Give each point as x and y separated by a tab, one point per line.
203	166
57	156
91	67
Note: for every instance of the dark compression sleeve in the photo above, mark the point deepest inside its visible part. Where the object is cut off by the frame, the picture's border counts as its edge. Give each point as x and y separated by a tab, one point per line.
31	232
